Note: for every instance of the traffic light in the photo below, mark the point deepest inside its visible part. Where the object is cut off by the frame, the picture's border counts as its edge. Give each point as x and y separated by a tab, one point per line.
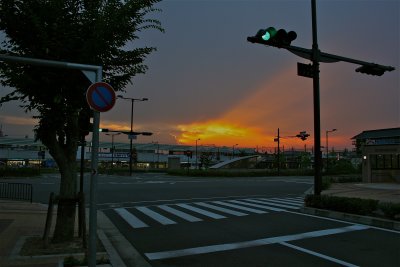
85	126
272	37
371	70
303	135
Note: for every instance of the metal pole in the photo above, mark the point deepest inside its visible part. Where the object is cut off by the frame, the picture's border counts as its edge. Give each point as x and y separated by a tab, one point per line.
93	184
279	160
196	155
112	151
130	140
316	99
327	152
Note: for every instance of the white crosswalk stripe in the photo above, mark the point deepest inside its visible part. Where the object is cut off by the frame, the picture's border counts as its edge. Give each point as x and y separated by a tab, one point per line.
272	203
180	214
256	205
131	219
232	212
148	216
201	211
156	216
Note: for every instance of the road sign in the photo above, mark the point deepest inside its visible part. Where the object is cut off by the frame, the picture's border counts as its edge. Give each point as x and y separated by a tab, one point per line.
132	136
100	96
305	70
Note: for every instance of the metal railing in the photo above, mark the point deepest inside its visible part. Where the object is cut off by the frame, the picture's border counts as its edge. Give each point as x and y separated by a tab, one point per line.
16	191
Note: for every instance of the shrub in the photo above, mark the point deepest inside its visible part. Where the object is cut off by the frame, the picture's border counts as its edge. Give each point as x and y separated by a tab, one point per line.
390	210
342	204
19	172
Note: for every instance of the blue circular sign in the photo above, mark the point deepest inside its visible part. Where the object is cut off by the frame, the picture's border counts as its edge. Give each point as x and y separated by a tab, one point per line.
100	96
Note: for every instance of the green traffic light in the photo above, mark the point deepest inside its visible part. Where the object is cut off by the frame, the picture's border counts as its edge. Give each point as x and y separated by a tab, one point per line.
270	32
266	36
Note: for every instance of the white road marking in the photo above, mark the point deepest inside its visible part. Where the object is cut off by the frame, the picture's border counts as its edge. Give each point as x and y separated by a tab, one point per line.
180	214
256	205
228	211
201	211
240	207
251	243
156	216
131	219
342	263
272	204
285	200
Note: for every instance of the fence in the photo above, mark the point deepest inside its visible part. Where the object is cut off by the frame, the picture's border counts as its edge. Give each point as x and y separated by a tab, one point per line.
16	191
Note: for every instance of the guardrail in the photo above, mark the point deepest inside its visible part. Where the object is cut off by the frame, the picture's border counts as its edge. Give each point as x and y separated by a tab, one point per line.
16	191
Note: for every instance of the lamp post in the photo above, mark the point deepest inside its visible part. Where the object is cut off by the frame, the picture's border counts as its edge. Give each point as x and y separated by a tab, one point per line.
112	148
158	153
233	151
131	136
327	150
197	166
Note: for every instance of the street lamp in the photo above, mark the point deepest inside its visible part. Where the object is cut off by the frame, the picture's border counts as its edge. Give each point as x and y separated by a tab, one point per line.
233	151
197	166
112	147
327	150
158	153
131	136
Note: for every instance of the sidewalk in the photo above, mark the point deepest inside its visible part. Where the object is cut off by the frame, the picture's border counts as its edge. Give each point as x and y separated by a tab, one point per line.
19	220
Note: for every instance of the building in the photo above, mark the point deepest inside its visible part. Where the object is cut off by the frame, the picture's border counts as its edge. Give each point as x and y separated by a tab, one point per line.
380	152
17	152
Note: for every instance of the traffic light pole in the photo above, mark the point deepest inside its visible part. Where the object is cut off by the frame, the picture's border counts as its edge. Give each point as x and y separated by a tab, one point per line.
316	100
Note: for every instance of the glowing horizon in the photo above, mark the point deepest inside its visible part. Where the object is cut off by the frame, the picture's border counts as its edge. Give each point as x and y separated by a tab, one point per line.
254	121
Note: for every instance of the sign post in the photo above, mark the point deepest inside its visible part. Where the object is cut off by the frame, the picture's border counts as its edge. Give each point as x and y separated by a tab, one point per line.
101	98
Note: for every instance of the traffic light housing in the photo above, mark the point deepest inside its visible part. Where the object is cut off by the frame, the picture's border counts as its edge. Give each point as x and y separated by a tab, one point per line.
371	70
85	126
303	135
272	37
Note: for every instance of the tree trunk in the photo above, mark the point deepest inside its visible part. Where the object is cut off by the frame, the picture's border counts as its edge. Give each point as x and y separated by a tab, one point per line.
66	212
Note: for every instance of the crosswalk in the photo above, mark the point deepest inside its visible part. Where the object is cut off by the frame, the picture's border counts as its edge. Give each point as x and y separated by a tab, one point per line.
169	214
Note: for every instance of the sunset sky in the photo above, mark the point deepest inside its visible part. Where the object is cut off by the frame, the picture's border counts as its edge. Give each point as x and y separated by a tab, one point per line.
205	81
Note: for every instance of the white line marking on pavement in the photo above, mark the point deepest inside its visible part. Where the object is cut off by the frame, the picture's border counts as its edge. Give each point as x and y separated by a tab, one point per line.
156	216
285	200
252	243
228	211
256	205
273	204
201	211
177	199
131	219
180	214
343	263
240	207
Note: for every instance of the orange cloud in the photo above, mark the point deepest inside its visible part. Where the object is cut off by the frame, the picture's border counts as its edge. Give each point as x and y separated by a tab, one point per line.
220	133
253	122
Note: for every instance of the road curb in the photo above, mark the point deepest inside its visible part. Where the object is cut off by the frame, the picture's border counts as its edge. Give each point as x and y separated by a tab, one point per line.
373	221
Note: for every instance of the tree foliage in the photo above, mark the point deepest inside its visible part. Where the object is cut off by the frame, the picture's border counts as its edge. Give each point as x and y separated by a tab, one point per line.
95	32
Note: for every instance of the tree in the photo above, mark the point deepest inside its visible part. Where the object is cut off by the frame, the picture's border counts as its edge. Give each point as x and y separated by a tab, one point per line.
96	32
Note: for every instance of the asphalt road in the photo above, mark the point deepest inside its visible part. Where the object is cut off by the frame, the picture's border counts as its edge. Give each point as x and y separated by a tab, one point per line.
176	221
